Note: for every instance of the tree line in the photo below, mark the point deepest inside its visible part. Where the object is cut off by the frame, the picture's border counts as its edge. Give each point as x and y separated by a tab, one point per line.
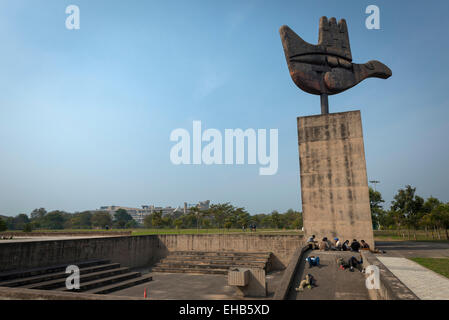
409	213
217	216
224	215
58	220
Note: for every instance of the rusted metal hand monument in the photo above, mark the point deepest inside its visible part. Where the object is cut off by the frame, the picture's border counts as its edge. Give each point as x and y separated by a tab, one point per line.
326	68
334	184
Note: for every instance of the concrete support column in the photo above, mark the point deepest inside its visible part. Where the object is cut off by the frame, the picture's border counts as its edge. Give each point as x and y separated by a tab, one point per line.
334	184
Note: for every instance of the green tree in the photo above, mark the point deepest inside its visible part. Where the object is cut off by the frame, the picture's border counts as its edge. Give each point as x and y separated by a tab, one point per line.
195	212
440	218
80	220
206	223
28	227
156	220
122	215
190	220
430	204
10	223
243	217
131	224
385	220
228	223
292	219
257	219
167	222
147	221
54	220
101	219
375	201
275	219
220	212
266	221
37	214
3	226
409	206
20	221
178	223
430	220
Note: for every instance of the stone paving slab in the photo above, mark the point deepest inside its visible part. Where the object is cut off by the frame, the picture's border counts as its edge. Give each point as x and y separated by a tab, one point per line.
425	283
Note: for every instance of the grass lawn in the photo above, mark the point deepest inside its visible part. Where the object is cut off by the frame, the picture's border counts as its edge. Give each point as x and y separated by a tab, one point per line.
439	265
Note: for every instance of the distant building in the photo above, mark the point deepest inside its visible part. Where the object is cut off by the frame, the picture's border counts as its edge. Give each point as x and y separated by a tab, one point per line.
139	214
202	205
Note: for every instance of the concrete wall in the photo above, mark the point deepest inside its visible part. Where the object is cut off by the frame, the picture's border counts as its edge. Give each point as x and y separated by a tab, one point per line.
282	246
140	251
334	186
64	233
128	251
390	287
288	278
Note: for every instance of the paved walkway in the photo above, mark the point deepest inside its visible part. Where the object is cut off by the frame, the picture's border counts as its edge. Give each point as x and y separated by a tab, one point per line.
425	283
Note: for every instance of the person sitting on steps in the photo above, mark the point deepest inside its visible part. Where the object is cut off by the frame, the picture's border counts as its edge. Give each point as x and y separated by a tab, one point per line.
337	244
341	263
365	246
324	245
313	261
355	245
345	246
330	245
309	281
354	263
312	242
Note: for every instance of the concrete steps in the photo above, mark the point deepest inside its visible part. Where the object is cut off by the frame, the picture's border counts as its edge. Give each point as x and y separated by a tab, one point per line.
221	253
45	270
96	276
212	264
217	262
101	282
121	285
57	283
215	258
57	275
189	270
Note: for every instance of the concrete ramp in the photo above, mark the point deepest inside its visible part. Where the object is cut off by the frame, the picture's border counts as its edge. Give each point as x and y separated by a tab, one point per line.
332	283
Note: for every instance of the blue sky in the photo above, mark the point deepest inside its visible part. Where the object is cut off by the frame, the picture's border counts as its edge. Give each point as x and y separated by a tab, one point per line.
86	115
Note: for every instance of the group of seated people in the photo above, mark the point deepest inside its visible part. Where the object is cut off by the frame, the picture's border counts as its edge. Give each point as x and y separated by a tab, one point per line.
325	245
351	264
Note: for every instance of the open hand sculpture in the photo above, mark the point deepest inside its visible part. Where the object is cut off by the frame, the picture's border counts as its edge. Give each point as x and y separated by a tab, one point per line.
326	68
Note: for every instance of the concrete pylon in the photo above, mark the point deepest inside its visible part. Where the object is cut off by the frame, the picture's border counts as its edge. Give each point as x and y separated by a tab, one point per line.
334	184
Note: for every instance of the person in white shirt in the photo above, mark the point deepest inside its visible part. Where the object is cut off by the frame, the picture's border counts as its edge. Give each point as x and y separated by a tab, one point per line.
337	244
